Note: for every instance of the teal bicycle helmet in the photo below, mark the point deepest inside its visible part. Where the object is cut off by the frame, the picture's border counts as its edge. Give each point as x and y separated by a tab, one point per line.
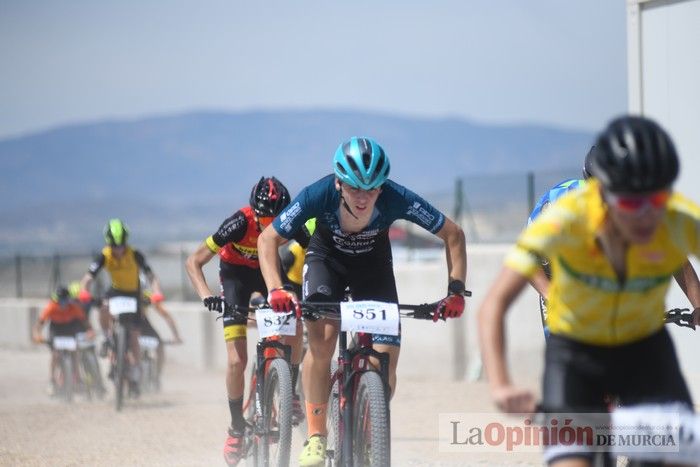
361	163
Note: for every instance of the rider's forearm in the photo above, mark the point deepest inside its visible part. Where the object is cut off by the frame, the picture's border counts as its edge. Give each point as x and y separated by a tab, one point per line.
269	258
456	251
688	281
86	281
194	271
492	343
36	330
155	285
172	326
491	316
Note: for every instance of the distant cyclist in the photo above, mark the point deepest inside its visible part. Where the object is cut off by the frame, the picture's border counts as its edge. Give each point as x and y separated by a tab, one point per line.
239	272
147	328
65	318
124	265
354	208
613	247
74	292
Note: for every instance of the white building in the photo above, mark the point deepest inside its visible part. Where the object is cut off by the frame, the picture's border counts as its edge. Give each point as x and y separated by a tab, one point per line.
663	55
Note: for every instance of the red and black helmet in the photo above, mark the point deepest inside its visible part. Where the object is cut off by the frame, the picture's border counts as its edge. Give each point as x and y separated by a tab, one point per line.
268	197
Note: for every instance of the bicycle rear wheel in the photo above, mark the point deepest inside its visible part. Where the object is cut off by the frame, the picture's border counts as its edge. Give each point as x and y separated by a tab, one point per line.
86	376
371	440
274	443
148	373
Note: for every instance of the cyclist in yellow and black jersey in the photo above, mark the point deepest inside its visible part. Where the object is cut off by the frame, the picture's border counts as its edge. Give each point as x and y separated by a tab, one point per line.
124	265
292	256
613	247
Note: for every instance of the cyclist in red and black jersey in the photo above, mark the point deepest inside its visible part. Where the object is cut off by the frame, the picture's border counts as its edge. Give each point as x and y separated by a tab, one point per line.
239	271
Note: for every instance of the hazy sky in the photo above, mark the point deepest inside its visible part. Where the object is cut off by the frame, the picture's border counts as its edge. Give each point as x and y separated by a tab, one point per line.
542	61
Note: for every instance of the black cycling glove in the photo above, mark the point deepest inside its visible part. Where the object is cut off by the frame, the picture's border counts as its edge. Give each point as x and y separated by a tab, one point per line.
212	303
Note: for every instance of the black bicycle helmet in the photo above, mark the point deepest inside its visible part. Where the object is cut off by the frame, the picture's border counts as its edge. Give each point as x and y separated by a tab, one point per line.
268	197
61	294
588	164
116	233
634	155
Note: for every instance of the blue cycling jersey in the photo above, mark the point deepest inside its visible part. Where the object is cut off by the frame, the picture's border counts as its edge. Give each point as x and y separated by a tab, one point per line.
553	194
322	201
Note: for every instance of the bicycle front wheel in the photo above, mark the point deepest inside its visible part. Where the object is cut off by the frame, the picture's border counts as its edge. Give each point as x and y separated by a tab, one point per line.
68	376
371	440
274	443
120	374
335	427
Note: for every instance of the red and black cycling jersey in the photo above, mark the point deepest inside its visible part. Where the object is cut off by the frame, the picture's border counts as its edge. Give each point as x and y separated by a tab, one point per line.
236	240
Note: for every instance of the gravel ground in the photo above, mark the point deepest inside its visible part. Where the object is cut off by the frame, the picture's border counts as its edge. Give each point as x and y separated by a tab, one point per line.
185	423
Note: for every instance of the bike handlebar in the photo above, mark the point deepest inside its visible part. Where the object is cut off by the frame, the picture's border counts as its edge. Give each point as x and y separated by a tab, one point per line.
329	310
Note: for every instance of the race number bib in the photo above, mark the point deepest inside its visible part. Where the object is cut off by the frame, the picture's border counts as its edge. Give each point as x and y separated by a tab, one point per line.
271	323
120	305
669	432
370	316
64	343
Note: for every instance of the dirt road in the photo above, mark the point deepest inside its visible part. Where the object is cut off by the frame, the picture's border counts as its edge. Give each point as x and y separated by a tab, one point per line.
184	425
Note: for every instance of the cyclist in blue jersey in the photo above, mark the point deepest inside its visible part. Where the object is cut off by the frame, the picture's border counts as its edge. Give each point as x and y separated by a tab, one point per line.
354	208
540	281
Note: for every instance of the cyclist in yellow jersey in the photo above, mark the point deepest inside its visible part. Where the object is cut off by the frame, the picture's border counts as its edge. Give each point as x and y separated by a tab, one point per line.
292	255
613	247
124	265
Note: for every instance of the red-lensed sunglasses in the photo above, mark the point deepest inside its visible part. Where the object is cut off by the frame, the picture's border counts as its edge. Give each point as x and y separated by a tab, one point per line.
632	203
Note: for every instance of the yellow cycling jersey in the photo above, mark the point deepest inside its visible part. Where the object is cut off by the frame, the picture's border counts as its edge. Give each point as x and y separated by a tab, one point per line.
586	300
123	271
295	272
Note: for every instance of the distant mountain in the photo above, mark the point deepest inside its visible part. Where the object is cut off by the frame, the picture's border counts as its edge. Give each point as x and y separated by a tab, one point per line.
178	176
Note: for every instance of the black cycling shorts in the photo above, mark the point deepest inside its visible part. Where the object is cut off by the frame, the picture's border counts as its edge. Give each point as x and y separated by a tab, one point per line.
127	318
238	282
69	329
147	328
369	277
579	377
586	378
